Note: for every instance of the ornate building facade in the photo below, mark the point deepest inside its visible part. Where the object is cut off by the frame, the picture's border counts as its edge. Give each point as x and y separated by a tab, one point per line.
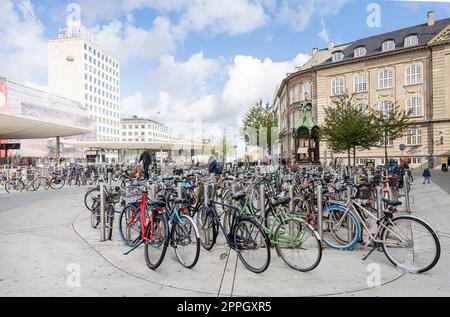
408	67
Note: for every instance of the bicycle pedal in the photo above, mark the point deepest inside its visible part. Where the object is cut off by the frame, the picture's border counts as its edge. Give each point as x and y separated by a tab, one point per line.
223	256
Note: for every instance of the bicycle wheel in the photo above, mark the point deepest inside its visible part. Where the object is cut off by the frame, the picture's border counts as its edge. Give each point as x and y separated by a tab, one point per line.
185	240
95	213
208	230
252	245
90	196
340	234
297	244
57	182
14	185
157	240
411	244
130	229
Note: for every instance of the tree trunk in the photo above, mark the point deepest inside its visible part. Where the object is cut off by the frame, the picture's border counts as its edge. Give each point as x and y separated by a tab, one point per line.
354	156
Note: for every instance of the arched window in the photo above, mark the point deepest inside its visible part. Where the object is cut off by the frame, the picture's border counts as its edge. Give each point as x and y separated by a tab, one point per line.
337	86
359	51
386	108
338	56
411	40
388	45
414	106
413	74
386	79
360	82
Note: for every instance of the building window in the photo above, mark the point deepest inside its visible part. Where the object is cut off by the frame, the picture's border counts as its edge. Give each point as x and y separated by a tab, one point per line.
414	136
386	79
386	108
307	91
363	107
388	45
360	82
337	86
411	40
413	74
414	106
359	51
416	160
388	139
338	56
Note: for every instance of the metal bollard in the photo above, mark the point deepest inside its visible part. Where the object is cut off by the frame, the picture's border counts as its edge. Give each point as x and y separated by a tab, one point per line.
291	196
153	197
179	191
379	202
406	186
320	212
109	178
205	190
102	212
262	201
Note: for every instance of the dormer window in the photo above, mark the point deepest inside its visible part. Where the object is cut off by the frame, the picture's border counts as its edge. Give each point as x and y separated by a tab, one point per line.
359	51
338	56
411	40
388	45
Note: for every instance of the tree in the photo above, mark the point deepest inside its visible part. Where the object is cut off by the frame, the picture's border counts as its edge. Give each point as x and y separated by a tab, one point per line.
258	125
225	144
390	124
347	128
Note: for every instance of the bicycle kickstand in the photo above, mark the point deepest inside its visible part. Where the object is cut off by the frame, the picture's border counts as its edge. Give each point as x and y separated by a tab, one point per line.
370	252
134	248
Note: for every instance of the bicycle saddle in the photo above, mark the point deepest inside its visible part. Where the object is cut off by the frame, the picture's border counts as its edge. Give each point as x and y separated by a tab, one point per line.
281	200
392	203
158	203
238	196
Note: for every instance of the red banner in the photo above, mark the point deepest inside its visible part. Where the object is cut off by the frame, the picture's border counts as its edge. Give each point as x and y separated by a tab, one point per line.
3	105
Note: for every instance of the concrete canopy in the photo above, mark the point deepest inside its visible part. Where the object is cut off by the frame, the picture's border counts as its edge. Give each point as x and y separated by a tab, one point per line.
19	127
165	146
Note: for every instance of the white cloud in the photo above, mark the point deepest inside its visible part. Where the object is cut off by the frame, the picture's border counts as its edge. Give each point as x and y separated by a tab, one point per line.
126	41
185	78
23	52
298	13
323	34
218	16
251	79
134	105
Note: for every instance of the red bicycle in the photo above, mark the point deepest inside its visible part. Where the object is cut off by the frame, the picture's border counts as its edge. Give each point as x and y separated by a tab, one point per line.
144	222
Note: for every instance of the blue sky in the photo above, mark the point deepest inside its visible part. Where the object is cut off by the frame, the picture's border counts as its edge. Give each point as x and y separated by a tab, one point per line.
188	60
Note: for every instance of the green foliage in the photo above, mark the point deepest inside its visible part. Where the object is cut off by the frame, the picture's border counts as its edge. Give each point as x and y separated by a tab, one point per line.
347	129
258	125
390	125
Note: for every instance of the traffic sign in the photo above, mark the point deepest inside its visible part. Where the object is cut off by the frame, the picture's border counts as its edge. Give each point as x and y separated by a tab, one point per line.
402	147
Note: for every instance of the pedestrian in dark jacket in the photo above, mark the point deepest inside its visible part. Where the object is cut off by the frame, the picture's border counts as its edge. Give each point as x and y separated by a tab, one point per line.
146	160
427	175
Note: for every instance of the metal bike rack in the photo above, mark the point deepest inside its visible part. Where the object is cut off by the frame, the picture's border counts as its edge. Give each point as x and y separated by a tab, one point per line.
320	212
205	191
179	191
262	202
153	189
291	196
379	202
109	178
102	211
406	187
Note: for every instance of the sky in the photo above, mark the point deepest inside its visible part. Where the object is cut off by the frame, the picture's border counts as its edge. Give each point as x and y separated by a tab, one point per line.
199	60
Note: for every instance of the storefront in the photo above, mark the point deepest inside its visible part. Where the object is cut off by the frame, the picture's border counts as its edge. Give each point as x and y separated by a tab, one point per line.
306	137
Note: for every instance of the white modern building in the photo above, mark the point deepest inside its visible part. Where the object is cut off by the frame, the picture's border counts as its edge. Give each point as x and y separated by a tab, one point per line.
81	70
137	129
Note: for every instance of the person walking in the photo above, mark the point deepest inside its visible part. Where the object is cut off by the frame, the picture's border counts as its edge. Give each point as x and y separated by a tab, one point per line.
146	160
426	175
212	166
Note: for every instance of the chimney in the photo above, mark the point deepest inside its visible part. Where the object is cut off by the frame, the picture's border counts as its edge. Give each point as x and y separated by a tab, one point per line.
314	51
430	16
330	46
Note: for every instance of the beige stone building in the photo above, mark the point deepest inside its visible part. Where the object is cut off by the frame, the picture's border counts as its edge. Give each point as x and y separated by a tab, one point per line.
410	67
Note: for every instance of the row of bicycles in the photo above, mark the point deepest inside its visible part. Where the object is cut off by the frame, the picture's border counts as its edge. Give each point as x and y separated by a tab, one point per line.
56	177
258	212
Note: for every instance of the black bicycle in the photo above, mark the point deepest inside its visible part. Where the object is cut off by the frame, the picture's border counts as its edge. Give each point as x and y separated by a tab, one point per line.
245	236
